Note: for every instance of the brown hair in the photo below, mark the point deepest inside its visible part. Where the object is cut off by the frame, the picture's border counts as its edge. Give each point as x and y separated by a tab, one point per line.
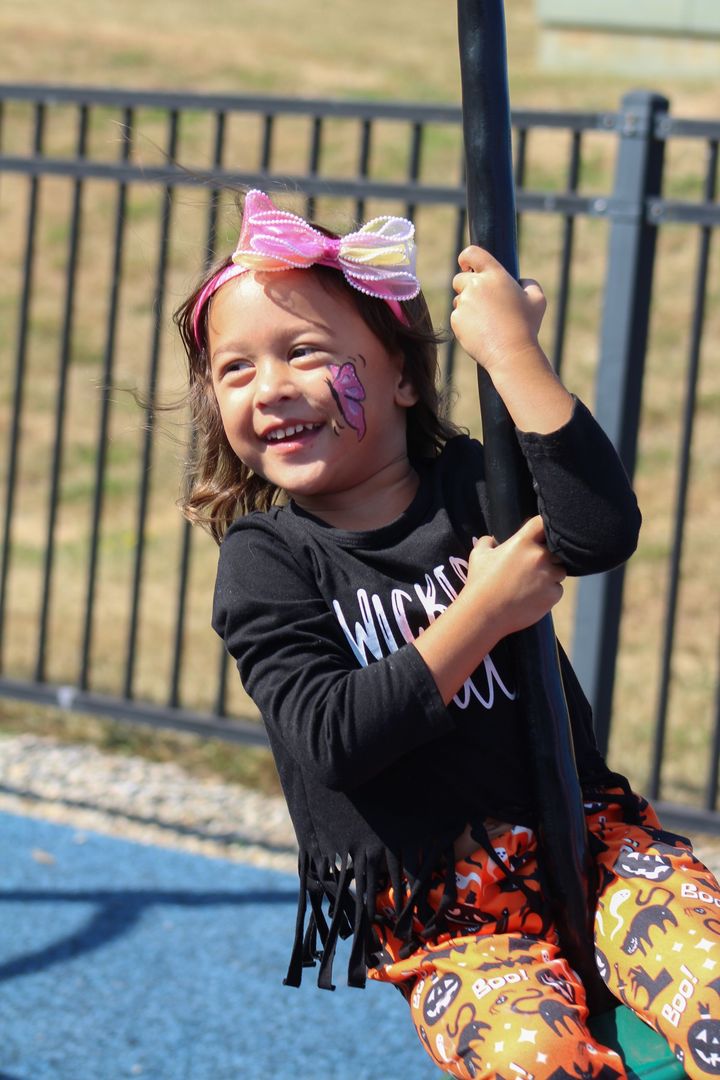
217	485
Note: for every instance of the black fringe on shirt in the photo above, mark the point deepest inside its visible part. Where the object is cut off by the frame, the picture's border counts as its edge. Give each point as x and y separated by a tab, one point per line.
341	894
345	890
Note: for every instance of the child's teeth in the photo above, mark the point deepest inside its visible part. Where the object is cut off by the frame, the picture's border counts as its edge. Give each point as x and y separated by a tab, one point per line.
284	433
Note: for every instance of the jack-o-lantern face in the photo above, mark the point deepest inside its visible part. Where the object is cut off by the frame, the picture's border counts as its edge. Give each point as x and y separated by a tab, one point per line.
704	1043
440	998
634	864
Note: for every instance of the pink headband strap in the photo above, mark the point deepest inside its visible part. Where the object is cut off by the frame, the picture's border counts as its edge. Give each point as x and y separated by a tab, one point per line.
378	259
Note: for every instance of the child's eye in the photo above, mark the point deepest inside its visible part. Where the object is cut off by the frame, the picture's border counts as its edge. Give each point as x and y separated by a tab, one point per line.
234	367
308	355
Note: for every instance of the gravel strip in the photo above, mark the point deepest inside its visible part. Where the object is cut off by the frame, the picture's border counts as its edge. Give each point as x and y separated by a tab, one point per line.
152	802
160	803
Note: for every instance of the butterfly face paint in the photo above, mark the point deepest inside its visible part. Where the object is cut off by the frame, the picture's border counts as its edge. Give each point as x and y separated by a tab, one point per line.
349	393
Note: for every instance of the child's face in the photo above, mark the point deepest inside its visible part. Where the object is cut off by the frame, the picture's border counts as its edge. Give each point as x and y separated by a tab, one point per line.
309	397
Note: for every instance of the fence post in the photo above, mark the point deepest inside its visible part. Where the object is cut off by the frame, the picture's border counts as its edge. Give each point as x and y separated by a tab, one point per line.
623	342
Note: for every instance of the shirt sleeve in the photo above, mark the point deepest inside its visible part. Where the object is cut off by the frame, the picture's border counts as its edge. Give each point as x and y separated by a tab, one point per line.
345	723
591	515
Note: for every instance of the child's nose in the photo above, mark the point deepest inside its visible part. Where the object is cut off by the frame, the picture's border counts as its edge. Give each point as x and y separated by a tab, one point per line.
274	382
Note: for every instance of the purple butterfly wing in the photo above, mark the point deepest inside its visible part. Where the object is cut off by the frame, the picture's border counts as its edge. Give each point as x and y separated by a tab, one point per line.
350	392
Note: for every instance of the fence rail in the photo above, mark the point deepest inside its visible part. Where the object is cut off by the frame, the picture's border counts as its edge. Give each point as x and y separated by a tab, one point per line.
110	201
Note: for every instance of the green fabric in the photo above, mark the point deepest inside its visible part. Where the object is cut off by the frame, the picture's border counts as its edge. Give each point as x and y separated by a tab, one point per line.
644	1052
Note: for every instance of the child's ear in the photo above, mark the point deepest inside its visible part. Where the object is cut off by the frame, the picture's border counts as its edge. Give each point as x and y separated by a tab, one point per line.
405	393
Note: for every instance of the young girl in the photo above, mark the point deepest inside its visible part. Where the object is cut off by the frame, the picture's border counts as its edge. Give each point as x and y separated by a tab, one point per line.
367	608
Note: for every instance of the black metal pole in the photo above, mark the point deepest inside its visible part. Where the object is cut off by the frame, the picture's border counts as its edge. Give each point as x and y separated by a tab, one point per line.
492	225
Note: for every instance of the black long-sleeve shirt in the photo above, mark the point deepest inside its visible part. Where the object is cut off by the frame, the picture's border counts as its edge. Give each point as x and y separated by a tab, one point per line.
321	623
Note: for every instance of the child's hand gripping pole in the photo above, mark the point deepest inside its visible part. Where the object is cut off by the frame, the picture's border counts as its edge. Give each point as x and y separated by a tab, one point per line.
491	217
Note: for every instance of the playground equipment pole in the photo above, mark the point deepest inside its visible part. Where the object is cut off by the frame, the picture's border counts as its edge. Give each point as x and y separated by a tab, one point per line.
492	225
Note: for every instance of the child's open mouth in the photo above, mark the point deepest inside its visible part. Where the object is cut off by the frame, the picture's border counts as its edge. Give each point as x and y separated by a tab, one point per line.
291	433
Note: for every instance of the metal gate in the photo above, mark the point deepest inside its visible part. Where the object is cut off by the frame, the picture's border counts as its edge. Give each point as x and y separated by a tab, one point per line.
110	203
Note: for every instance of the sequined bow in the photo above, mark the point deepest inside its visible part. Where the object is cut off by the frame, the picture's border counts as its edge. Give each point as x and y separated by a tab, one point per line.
378	259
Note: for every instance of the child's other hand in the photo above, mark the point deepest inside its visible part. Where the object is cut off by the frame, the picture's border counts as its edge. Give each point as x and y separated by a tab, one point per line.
518	581
495	318
509	586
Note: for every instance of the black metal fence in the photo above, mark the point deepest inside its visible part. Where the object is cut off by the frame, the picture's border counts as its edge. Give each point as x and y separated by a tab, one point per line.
110	204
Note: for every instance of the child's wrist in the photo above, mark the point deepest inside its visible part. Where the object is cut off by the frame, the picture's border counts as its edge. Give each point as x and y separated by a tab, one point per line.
514	363
489	610
531	390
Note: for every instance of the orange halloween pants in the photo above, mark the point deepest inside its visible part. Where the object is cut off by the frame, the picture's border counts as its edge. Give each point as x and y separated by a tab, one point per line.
494	997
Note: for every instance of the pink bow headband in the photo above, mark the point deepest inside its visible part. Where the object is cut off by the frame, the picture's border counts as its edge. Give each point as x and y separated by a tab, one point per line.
378	259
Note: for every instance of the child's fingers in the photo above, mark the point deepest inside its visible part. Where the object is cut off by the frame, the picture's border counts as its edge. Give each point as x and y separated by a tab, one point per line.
485	542
474	259
533	529
532	289
535	295
459	283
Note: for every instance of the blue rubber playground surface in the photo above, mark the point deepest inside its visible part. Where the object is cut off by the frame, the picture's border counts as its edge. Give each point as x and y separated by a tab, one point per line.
123	960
